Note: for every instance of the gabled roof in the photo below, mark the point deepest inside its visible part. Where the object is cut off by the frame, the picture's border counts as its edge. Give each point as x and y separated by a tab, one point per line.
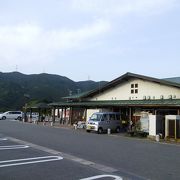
126	77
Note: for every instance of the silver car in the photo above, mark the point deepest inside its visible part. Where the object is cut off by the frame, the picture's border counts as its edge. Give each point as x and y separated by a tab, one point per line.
101	122
17	115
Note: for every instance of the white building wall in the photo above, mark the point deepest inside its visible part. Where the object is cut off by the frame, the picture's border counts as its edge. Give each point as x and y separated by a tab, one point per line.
152	125
145	89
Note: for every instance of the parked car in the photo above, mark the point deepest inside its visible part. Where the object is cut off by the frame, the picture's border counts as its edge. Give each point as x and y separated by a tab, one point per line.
100	122
17	115
34	116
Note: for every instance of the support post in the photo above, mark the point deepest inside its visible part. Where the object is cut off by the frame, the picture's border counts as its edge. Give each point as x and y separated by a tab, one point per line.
71	115
53	117
178	112
130	118
39	118
25	113
58	114
62	112
155	112
65	114
175	129
85	114
130	114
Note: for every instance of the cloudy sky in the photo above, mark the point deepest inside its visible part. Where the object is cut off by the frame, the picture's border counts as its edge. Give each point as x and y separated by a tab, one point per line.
90	39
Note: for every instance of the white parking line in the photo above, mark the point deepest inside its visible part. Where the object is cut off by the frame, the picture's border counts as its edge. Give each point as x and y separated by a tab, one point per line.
3	139
17	162
103	176
101	167
13	147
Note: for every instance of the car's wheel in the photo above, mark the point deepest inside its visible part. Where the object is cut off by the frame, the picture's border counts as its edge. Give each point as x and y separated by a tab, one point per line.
118	129
100	130
88	131
4	117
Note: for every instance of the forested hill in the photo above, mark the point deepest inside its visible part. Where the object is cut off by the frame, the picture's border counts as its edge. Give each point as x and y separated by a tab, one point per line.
17	88
174	79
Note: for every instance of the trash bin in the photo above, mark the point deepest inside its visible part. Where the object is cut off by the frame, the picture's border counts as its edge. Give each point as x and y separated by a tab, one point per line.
157	137
109	131
75	126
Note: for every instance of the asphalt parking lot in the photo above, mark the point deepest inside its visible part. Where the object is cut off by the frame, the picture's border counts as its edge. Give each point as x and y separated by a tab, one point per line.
21	161
32	151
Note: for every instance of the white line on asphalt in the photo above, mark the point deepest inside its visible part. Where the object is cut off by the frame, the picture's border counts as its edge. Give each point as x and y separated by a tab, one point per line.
14	147
103	176
17	162
101	167
3	139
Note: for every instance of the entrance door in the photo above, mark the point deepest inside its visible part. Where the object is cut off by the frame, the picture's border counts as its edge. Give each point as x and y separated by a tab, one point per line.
171	128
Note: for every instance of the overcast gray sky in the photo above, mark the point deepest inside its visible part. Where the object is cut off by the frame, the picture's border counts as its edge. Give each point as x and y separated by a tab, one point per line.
95	39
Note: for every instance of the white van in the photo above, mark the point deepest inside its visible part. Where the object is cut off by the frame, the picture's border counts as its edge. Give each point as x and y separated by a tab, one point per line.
17	115
100	122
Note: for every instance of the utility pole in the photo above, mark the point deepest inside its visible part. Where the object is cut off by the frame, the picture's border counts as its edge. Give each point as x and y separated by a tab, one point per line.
27	97
16	68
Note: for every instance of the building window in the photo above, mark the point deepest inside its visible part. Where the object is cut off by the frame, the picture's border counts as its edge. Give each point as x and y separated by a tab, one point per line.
134	88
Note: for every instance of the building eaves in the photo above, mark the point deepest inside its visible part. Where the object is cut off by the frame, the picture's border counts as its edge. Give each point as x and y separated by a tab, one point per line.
158	102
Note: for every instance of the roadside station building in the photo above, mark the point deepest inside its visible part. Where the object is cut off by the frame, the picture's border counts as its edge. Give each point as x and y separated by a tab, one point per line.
131	95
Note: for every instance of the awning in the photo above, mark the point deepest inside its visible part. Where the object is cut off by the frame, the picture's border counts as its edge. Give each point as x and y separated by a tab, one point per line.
39	106
117	103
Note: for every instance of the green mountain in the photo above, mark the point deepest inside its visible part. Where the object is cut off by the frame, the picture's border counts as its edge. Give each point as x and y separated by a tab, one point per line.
174	79
16	88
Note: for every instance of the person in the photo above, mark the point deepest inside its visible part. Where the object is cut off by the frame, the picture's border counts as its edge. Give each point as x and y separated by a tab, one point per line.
131	125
